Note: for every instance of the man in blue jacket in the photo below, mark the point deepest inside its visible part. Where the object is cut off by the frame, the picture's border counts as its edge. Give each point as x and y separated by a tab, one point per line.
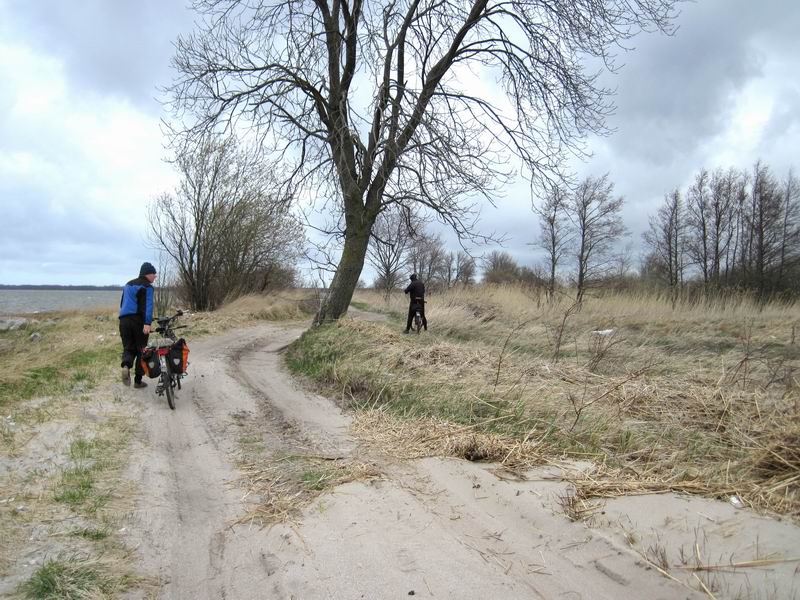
135	316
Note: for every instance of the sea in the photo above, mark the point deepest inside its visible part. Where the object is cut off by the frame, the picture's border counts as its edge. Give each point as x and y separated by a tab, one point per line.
18	302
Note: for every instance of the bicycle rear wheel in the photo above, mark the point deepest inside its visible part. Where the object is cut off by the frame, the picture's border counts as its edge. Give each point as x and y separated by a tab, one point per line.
170	393
166	383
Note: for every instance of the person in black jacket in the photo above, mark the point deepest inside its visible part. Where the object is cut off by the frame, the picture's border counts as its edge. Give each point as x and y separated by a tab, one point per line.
416	291
135	317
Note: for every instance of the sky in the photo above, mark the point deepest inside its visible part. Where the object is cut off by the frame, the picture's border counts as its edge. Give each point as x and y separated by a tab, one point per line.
82	149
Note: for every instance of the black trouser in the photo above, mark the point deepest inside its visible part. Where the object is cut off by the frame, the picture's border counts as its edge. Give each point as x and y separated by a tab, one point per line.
133	341
412	308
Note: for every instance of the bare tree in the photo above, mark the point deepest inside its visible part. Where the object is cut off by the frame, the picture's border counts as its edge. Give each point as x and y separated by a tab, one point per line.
555	234
465	268
288	69
666	239
164	295
698	207
720	232
742	230
790	230
428	258
387	253
460	268
224	231
767	223
595	215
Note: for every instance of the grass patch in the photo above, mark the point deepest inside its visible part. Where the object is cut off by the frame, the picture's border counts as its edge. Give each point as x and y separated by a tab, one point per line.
75	486
325	477
281	485
46	379
90	533
89	458
77	349
73	579
84	449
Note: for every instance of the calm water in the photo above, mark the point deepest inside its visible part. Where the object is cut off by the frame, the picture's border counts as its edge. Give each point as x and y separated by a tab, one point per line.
31	301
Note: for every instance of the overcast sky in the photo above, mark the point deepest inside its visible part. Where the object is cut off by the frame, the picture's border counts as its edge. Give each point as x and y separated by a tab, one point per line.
81	146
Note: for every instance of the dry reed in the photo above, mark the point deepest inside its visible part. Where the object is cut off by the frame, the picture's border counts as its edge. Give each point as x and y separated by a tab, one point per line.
687	401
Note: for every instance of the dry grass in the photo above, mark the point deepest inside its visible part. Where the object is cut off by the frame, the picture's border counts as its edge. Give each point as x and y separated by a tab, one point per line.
72	355
420	438
576	506
277	489
280	476
281	305
701	399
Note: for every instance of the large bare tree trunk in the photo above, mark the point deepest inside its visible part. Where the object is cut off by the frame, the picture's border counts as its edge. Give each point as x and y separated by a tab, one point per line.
347	274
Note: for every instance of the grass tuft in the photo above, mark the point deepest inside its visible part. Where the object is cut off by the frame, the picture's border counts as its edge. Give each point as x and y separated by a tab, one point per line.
90	533
73	579
75	486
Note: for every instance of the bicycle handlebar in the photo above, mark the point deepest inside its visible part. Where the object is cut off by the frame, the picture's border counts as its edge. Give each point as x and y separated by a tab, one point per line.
170	319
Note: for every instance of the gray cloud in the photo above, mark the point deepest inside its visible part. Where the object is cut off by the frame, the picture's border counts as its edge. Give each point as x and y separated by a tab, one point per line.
108	47
675	92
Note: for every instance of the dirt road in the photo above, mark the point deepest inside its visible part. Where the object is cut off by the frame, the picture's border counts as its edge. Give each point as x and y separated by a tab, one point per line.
430	528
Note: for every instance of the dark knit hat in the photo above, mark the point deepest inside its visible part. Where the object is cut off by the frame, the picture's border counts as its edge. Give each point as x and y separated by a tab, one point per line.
147	269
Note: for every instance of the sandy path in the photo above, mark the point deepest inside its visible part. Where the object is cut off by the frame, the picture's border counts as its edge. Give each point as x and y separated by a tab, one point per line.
432	528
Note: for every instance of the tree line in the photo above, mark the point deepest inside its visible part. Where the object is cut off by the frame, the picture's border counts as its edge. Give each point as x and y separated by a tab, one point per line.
400	245
580	231
731	229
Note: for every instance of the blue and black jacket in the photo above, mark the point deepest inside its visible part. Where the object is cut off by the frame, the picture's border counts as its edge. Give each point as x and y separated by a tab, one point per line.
137	300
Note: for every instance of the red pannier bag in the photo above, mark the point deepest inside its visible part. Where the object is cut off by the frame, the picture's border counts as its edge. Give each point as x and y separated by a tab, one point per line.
178	356
150	363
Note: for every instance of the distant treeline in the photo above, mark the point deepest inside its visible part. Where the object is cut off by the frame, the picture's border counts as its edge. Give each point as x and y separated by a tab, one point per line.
731	229
75	288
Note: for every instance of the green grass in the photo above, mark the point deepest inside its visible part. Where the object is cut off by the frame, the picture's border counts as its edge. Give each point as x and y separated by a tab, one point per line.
316	479
77	485
319	477
379	307
90	533
83	449
252	444
59	376
72	579
350	363
315	353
